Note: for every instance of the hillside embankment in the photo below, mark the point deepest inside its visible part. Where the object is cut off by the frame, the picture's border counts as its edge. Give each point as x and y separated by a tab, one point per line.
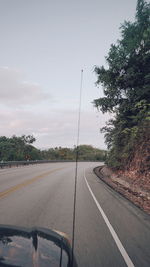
133	180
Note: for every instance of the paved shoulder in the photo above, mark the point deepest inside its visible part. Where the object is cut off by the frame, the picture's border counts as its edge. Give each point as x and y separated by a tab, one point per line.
130	224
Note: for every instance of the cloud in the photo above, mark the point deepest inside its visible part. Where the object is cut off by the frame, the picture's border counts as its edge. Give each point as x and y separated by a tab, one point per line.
14	90
54	128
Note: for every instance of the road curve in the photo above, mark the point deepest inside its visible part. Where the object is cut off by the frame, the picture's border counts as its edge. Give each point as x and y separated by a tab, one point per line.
110	230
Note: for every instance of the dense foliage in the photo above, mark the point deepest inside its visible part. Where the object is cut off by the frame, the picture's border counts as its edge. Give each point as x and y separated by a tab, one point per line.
20	148
85	152
126	86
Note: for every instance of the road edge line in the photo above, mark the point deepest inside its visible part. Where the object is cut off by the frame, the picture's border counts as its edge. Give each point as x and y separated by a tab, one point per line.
112	231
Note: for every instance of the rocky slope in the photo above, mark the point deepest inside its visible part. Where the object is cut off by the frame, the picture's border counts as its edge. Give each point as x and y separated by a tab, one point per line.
126	183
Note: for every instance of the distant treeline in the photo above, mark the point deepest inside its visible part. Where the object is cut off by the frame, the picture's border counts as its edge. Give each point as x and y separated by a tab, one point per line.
21	148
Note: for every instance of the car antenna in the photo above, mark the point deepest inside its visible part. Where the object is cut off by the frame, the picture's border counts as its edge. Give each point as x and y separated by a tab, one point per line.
76	169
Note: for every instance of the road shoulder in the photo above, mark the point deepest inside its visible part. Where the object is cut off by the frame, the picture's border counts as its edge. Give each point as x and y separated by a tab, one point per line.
124	187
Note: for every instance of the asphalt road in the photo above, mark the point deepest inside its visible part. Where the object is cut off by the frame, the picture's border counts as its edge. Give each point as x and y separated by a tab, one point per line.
110	230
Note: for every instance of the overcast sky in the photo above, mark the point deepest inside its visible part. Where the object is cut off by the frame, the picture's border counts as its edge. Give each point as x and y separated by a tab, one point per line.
44	45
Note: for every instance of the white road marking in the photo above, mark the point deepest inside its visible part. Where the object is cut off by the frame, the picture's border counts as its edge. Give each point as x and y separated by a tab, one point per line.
112	231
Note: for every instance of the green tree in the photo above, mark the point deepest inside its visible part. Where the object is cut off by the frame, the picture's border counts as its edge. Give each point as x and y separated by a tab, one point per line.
28	139
85	152
126	86
18	148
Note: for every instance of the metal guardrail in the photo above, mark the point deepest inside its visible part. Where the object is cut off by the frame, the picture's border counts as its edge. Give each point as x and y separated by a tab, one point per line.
9	164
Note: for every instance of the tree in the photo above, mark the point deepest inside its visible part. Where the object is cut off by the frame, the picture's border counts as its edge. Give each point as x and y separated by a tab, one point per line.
18	148
28	139
85	152
126	86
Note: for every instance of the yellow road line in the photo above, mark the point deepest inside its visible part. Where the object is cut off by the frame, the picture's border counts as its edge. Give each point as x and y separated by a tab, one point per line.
30	181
